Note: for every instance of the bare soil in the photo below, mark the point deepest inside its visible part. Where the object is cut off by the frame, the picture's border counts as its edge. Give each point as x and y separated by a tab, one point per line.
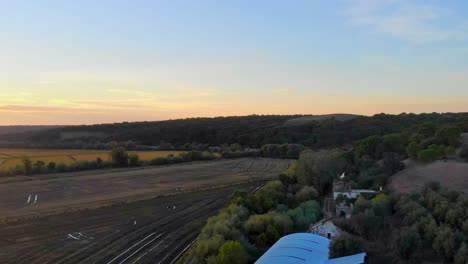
58	193
451	174
109	234
145	215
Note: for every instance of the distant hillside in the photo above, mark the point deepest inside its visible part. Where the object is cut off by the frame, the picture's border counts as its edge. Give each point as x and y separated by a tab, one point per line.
253	131
308	119
22	129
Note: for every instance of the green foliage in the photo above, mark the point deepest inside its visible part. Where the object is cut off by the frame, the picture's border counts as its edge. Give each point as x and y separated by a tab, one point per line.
319	168
305	214
133	159
370	146
408	242
285	151
433	152
306	193
119	157
232	252
449	135
51	166
408	226
444	242
344	246
461	257
413	149
27	165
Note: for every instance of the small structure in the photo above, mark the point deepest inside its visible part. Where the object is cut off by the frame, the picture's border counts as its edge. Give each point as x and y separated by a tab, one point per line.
326	228
342	193
305	248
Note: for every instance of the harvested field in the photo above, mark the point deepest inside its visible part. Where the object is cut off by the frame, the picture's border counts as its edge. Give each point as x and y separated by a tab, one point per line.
88	189
10	158
451	174
87	217
163	228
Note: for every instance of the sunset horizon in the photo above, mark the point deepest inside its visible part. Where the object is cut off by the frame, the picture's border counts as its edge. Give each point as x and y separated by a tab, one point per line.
105	62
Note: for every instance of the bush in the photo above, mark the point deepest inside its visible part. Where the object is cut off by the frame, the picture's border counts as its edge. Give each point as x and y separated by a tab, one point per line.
119	156
134	160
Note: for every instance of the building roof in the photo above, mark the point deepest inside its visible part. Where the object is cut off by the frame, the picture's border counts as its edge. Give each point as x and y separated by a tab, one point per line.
305	248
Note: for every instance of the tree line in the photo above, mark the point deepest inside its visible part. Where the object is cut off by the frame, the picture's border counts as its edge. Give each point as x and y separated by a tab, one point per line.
251	131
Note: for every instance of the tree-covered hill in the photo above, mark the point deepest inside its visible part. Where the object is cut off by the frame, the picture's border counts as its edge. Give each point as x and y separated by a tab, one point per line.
252	131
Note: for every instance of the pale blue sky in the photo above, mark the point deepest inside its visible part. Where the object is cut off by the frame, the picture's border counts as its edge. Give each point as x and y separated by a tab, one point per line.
106	61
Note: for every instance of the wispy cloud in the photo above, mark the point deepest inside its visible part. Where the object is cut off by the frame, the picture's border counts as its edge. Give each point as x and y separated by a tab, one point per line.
405	19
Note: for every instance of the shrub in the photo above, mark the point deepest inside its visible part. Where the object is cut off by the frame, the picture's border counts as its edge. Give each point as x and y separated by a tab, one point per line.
119	156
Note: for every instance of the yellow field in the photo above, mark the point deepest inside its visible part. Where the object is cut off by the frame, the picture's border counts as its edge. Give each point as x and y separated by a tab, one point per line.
10	158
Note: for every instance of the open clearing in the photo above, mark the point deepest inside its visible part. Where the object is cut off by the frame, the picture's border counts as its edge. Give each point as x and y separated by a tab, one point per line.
67	222
451	174
10	158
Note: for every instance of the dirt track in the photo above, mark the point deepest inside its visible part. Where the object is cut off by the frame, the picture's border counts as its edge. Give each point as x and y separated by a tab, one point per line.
71	191
164	226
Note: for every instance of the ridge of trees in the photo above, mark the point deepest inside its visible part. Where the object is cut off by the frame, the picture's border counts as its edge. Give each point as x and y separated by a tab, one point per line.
252	131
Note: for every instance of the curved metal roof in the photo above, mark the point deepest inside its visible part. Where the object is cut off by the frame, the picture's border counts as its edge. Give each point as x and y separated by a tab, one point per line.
304	248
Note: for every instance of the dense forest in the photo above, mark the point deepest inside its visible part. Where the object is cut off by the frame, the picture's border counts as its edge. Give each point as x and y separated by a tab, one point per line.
251	131
391	228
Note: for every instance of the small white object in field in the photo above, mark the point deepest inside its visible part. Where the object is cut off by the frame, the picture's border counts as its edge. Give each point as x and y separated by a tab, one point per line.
73	237
342	176
35	198
29	199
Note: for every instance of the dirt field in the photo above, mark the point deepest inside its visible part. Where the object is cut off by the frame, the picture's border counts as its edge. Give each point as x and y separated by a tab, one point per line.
154	230
163	228
12	157
451	174
88	189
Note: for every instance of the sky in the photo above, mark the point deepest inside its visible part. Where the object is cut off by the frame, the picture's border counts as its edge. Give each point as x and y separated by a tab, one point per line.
87	61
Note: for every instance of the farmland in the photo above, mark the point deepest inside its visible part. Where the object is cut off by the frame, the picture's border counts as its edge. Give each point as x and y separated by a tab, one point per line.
10	158
99	216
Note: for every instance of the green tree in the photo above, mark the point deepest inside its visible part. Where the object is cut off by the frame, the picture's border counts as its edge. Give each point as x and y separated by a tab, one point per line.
232	252
345	245
408	242
319	168
28	165
370	146
133	159
449	135
461	257
444	243
39	166
119	157
51	166
413	149
306	193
